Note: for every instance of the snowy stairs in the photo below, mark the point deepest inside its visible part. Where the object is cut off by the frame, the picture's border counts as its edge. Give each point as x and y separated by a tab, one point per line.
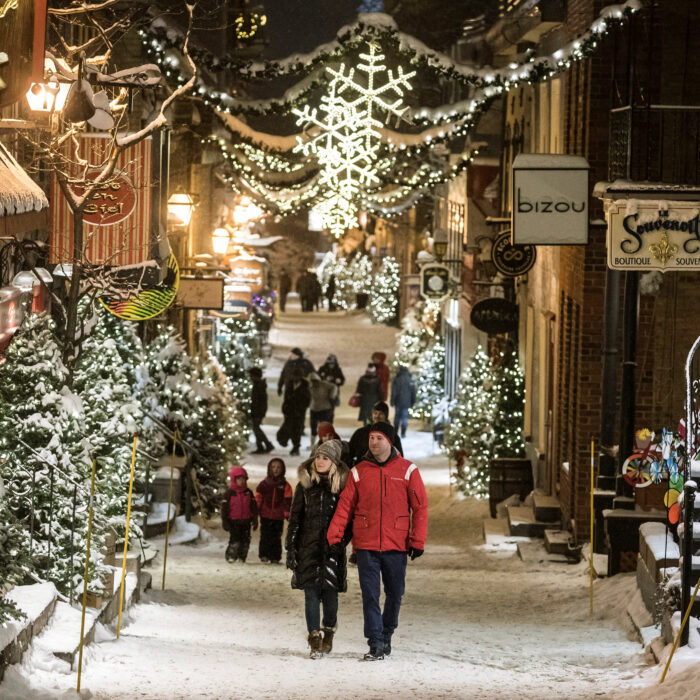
37	602
159	491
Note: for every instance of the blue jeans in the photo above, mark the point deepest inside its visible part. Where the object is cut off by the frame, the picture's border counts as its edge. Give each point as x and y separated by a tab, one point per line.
401	420
373	568
314	599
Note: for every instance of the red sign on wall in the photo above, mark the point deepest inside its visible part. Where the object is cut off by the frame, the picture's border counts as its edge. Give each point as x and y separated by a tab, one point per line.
117	219
110	203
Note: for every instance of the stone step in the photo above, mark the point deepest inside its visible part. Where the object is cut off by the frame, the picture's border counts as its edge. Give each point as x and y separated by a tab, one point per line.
160	486
547	508
535	553
522	522
494	530
37	602
182	533
557	541
158	518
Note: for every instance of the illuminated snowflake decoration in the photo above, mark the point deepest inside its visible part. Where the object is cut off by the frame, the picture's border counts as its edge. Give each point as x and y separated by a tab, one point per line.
343	133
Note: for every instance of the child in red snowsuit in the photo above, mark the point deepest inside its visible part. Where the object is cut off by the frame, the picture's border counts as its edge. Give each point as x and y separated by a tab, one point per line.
274	498
238	513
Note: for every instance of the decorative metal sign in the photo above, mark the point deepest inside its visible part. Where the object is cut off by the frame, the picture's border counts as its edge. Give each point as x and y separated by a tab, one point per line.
110	203
201	293
512	260
550	199
653	235
495	316
248	271
434	282
148	302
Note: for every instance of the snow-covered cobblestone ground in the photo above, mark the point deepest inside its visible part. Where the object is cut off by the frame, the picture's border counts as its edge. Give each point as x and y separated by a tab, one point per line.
474	624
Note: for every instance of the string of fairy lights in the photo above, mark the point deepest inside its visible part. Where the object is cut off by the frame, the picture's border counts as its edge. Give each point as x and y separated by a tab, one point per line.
346	157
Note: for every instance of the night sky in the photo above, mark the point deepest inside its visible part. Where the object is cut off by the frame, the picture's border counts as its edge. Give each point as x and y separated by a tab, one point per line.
301	25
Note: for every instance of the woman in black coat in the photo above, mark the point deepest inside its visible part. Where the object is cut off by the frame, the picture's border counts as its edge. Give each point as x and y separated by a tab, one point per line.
319	569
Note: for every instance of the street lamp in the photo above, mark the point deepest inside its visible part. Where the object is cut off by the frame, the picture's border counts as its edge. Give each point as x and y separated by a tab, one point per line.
180	208
47	97
220	239
440	243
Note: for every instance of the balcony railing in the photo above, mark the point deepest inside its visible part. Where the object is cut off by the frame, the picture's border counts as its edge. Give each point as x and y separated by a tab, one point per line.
657	143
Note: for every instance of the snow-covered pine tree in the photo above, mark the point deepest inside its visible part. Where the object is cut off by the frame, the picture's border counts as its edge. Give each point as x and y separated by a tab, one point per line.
14	556
362	274
430	380
112	413
345	297
44	460
469	436
170	371
508	419
240	348
384	298
219	437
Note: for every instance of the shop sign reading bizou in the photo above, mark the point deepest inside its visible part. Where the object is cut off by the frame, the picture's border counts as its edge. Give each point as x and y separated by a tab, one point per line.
653	235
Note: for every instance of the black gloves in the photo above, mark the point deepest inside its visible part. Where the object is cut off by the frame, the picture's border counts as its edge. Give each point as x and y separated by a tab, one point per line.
291	559
414	553
336	551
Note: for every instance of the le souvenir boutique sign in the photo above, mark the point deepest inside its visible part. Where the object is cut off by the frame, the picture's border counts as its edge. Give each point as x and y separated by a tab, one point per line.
550	200
653	235
117	219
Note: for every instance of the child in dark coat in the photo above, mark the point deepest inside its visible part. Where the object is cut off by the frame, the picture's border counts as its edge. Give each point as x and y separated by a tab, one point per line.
238	513
319	570
274	498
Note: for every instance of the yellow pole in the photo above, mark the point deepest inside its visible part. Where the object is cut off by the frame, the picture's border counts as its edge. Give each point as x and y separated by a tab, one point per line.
680	631
170	499
590	562
87	568
126	535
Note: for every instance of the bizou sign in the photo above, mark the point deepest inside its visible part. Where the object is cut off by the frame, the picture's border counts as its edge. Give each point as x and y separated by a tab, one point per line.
653	235
550	200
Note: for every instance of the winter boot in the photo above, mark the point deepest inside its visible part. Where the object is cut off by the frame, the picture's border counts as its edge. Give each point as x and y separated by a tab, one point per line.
374	654
387	646
315	640
327	645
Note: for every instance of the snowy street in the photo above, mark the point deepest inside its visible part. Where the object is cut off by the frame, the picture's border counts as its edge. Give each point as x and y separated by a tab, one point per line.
476	621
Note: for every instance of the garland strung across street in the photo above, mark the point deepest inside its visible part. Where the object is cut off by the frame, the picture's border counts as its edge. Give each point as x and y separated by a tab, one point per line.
346	157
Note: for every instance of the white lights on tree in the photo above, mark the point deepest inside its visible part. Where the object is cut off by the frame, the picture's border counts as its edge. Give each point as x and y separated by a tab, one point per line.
345	137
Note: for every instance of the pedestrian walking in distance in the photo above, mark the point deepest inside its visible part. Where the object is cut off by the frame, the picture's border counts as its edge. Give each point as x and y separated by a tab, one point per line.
403	396
274	499
258	410
330	292
386	497
298	363
383	372
331	372
320	570
239	513
368	392
323	395
285	287
296	400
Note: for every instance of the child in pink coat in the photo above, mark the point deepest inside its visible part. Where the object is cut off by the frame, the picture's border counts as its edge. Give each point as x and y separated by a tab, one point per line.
238	513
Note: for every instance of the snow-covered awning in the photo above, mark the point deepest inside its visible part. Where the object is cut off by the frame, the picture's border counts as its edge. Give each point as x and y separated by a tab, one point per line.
23	204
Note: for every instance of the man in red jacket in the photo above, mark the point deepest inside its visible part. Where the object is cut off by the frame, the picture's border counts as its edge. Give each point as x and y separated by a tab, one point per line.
386	500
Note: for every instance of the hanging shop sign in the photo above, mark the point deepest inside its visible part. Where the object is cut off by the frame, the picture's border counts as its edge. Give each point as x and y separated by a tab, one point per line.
248	271
118	217
512	260
653	235
495	316
550	200
434	282
201	293
111	202
147	303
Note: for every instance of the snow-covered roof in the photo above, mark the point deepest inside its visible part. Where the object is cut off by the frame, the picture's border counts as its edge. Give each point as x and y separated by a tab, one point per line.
19	194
